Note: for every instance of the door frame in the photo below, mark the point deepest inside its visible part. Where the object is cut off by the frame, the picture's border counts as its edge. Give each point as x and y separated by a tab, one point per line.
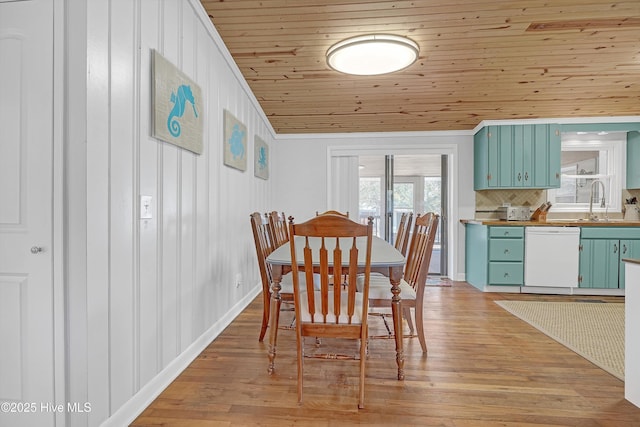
58	270
451	202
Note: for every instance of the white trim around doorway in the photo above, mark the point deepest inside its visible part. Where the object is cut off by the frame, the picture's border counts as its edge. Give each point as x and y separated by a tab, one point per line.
450	150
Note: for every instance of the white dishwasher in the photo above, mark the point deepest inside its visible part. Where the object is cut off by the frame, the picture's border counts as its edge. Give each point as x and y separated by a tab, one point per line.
551	256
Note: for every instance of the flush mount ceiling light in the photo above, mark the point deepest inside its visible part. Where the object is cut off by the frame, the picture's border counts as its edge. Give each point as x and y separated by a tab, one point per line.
372	54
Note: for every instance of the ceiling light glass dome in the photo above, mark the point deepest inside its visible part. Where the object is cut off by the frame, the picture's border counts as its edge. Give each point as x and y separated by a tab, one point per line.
372	54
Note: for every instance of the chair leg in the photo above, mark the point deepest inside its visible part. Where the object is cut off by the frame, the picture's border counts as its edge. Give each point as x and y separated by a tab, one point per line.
274	309
420	326
266	307
406	311
299	346
363	361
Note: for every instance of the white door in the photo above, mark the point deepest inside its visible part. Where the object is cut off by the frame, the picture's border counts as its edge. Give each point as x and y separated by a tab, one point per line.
26	294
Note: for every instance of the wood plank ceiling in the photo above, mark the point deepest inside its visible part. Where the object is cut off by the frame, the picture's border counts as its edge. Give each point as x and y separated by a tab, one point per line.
479	60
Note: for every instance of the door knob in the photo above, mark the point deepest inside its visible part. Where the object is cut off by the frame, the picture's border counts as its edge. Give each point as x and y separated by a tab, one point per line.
36	249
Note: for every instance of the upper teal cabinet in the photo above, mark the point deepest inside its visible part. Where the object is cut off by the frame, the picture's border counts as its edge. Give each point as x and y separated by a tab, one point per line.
633	159
517	156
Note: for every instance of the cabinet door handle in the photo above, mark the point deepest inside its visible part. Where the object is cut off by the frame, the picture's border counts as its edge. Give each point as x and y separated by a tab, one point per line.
624	249
615	248
506	251
506	233
526	176
519	176
506	274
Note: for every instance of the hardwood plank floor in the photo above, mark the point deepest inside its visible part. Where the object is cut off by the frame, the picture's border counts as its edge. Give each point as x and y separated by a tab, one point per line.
485	367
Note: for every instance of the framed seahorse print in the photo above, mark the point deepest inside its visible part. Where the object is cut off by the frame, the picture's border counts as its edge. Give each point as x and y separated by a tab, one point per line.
235	142
260	158
177	106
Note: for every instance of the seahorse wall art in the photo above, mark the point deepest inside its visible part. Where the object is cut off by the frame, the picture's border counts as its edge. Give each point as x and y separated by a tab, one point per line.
235	142
173	120
179	99
262	158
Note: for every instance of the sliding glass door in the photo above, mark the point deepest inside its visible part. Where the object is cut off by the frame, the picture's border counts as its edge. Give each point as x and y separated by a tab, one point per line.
391	185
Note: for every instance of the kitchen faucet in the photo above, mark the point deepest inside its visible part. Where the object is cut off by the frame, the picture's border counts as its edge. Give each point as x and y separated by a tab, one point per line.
603	204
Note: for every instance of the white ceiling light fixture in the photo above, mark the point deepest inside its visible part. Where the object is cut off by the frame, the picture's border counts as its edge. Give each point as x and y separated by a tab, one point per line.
372	54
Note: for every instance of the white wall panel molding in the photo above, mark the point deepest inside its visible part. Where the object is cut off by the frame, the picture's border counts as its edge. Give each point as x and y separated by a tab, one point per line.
128	412
98	210
157	288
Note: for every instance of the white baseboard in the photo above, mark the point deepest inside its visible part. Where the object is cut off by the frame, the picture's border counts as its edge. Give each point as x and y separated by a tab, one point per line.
502	289
128	412
599	291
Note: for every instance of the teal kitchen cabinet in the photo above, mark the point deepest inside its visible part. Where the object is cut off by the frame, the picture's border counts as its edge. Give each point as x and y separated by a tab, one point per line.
517	156
633	159
494	255
493	159
547	156
602	250
628	249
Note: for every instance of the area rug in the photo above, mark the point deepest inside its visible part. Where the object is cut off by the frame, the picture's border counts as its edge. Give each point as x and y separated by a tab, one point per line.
593	330
439	282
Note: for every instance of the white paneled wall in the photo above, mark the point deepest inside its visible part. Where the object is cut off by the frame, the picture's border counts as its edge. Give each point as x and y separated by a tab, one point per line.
146	295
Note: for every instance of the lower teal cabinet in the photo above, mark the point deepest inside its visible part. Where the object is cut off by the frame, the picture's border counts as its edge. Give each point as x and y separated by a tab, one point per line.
599	263
494	255
602	250
628	249
506	273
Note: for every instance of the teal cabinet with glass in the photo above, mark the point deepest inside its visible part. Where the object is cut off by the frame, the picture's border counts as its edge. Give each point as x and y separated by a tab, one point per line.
517	156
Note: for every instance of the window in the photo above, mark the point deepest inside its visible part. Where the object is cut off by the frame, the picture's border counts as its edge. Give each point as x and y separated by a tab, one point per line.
370	201
586	159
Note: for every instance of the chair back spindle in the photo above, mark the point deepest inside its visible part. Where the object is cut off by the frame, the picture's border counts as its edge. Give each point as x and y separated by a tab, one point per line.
278	228
404	230
420	249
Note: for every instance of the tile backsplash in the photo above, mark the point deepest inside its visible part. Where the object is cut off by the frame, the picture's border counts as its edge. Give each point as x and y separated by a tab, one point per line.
487	201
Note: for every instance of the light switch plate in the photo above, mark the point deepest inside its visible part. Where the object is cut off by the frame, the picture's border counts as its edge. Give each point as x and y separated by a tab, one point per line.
146	207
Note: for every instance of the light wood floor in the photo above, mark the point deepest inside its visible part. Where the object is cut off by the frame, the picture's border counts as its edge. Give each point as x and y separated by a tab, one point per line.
485	367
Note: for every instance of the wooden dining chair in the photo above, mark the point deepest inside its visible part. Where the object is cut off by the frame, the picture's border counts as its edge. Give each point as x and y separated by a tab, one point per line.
332	212
346	215
404	230
264	247
278	228
329	247
402	236
414	278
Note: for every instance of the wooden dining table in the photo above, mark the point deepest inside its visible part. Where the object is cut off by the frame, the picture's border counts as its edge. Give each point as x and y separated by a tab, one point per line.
385	259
